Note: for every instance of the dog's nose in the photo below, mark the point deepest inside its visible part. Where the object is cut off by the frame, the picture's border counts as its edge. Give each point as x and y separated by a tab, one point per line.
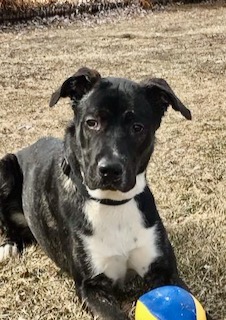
110	169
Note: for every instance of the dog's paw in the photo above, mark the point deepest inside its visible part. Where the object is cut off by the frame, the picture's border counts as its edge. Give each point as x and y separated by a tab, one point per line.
7	250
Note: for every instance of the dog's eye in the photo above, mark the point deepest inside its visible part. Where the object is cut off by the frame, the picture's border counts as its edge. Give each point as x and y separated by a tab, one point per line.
137	128
93	124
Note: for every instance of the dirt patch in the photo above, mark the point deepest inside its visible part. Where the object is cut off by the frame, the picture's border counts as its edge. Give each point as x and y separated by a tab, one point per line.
188	170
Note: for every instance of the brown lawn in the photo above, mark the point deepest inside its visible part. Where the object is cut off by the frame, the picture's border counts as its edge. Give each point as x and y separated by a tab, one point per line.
186	46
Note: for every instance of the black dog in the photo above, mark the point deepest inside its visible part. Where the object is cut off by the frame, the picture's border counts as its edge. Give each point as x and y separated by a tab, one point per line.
85	199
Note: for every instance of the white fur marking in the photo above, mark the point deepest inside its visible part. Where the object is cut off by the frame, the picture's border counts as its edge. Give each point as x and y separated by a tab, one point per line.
7	251
120	241
67	183
118	195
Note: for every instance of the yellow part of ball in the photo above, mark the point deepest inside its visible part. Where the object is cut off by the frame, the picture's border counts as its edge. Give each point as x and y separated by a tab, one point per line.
142	312
200	312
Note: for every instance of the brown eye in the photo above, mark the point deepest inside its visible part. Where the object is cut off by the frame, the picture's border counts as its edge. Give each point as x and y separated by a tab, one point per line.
93	124
137	128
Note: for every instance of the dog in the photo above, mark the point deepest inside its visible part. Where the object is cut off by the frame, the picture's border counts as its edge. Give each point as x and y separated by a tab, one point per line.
85	199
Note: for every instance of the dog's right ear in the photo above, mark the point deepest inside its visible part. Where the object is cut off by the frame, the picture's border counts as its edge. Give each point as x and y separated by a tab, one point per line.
76	86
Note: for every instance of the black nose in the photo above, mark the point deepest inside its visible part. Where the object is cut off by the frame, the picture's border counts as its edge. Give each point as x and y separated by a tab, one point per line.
109	169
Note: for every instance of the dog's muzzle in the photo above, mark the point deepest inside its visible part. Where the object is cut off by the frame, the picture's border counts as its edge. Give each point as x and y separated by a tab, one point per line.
81	187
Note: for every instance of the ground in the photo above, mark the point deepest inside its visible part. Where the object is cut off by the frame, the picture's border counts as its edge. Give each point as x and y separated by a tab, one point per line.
186	46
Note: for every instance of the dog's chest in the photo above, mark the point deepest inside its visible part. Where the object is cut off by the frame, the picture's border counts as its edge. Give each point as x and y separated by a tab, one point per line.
119	241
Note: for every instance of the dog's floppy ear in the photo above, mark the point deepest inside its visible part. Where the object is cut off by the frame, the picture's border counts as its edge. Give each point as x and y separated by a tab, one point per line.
76	86
159	90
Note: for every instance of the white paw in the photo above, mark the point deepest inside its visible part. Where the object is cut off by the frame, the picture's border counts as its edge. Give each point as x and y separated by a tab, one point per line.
8	250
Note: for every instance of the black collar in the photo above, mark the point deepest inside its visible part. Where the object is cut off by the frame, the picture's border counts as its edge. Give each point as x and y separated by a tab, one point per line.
80	186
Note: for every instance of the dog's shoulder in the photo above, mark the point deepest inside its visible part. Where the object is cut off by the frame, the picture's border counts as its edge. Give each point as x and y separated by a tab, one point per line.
41	158
40	151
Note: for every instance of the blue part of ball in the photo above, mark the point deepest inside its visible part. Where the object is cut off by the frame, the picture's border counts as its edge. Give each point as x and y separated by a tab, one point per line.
170	303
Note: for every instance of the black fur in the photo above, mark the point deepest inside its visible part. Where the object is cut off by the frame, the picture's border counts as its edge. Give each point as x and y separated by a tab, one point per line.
106	146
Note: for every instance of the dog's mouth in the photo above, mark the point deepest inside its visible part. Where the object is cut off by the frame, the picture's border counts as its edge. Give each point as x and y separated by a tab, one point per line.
114	185
114	191
110	184
110	187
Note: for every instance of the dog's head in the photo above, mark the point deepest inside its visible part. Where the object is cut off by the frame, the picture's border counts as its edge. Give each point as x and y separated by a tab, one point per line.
114	128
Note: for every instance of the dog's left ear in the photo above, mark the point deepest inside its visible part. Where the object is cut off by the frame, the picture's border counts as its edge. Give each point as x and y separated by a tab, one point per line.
76	86
159	91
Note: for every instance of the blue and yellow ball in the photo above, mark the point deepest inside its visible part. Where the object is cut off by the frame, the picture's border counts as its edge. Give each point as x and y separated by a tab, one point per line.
169	303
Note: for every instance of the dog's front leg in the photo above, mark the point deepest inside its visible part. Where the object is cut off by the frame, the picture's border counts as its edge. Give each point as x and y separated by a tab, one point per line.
162	273
98	296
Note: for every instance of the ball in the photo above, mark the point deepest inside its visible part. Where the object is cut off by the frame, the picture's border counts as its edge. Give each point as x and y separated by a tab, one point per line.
169	303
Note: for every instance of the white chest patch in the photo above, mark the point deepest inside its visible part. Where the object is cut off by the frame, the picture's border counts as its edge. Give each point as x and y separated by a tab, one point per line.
120	241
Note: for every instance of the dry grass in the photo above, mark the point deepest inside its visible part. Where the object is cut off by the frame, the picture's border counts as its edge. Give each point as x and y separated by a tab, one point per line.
32	4
188	170
21	4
